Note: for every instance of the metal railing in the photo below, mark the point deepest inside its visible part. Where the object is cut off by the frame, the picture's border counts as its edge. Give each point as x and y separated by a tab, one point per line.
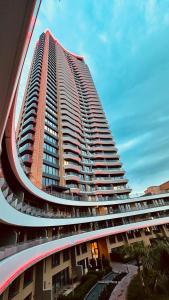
23	207
8	250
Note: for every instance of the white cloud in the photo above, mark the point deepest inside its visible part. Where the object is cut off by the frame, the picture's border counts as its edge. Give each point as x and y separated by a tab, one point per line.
49	9
132	143
128	145
103	37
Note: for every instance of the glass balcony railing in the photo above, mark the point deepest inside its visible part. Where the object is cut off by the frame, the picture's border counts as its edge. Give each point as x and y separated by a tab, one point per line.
26	147
9	250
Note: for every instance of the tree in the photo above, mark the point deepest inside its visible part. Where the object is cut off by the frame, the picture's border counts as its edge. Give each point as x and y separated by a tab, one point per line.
136	252
156	261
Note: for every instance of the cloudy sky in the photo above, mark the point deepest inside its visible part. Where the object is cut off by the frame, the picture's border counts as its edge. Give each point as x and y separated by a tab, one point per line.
126	45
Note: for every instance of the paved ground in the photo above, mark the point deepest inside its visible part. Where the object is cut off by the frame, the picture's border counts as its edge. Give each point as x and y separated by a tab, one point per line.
120	291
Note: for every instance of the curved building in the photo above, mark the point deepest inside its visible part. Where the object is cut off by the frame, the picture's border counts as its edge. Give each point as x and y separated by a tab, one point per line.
64	199
64	139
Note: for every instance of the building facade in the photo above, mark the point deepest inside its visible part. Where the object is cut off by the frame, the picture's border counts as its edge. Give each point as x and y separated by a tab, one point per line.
76	206
157	189
64	139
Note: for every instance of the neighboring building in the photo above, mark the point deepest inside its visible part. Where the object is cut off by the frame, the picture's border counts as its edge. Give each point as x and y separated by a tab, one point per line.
64	139
162	188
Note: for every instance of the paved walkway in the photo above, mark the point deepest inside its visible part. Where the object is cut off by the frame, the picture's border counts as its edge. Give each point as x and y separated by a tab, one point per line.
120	291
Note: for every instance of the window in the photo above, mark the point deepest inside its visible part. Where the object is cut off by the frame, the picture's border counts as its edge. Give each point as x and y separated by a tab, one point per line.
120	237
60	279
51	117
50	130
49	181
77	250
50	170
55	260
50	123
66	255
83	187
50	138
50	158
84	248
112	239
28	276
14	288
50	148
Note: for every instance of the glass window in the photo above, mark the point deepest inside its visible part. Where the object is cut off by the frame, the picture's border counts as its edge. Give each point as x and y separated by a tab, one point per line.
50	130
50	158
50	138
77	250
14	288
66	255
50	148
84	248
48	181
55	260
50	170
28	276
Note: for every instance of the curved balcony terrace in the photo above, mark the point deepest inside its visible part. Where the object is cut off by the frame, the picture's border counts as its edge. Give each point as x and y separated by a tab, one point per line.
18	262
17	212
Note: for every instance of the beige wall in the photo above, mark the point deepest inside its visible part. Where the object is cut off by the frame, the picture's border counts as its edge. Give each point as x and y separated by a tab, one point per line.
105	247
23	292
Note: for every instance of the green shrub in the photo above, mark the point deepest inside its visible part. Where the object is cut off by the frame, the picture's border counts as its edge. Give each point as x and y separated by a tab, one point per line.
87	282
135	289
79	292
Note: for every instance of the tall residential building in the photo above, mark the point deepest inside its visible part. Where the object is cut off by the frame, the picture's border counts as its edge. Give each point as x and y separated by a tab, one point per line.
64	138
47	242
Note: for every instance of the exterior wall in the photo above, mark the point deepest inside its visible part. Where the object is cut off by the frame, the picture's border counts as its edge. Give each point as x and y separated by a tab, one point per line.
157	189
51	271
152	190
164	186
88	161
63	110
146	235
23	292
37	156
105	246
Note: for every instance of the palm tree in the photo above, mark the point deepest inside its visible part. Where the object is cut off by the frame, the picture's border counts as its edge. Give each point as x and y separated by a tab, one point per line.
156	260
136	252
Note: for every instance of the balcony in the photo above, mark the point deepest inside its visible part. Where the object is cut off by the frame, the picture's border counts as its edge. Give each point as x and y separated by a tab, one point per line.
105	155
29	128
72	157
110	180
72	166
28	137
30	108
31	113
107	163
26	148
26	159
29	121
108	171
71	147
72	177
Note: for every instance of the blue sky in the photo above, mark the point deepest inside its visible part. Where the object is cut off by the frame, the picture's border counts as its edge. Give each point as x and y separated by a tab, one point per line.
126	45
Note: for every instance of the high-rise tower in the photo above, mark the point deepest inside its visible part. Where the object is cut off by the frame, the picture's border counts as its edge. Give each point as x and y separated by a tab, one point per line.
49	241
63	136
